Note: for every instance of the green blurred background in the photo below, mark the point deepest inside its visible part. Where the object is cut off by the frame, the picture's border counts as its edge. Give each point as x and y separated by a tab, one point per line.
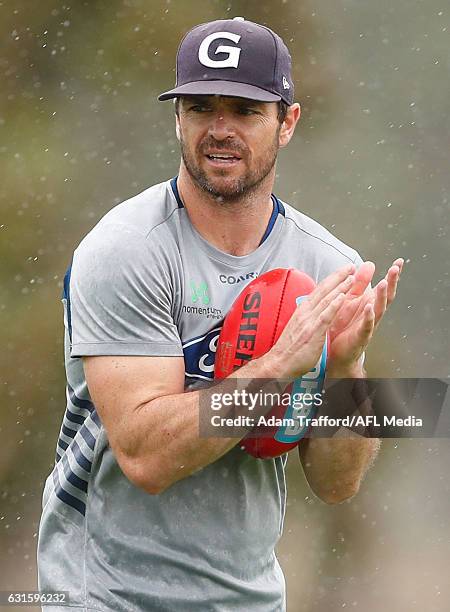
81	130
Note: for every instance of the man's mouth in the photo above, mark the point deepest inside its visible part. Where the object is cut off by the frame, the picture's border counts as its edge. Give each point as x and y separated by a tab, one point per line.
223	158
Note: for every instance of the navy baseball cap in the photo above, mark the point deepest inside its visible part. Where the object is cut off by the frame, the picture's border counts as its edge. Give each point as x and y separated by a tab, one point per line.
233	57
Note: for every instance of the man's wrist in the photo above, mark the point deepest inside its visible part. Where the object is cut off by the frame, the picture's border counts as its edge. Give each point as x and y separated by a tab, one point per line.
351	370
270	366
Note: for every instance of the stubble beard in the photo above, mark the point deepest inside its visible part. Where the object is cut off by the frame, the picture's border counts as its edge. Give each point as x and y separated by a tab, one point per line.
232	190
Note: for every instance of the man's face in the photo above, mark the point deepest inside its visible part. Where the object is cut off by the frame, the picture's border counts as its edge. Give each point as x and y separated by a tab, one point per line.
228	145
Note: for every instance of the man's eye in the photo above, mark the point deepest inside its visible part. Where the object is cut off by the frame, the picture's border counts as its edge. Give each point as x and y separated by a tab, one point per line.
247	111
198	108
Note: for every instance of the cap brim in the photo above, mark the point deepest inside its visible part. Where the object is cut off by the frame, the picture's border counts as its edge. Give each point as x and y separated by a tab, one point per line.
221	88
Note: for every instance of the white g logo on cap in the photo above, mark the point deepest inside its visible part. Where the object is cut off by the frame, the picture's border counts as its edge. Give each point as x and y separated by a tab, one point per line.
231	61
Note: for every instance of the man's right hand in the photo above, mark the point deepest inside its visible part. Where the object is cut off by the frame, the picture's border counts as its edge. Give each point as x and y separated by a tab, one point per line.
300	344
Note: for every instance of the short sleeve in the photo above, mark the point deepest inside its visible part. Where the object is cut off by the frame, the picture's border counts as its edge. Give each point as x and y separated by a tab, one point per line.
119	296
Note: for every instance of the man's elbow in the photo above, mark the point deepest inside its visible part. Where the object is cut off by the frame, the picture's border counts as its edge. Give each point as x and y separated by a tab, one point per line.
337	494
147	477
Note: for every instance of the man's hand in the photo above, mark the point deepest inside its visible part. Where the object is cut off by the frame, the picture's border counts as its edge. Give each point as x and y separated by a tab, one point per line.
300	344
358	317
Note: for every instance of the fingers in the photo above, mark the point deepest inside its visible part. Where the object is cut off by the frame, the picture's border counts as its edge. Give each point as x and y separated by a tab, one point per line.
325	318
399	263
363	277
343	287
314	312
350	311
358	293
367	325
386	289
381	299
392	277
329	283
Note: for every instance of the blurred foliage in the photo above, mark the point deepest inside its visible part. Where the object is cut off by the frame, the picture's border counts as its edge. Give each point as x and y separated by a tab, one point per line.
81	130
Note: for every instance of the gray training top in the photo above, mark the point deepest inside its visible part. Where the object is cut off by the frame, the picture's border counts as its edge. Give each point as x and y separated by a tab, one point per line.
145	282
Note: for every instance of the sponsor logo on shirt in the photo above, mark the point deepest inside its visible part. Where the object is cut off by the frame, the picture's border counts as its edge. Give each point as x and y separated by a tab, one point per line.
199	293
208	312
199	355
230	279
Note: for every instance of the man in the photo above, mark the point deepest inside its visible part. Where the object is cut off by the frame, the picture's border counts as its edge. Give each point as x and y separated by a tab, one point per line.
140	513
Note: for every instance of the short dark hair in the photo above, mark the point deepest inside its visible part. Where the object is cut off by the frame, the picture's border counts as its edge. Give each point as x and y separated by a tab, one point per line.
282	109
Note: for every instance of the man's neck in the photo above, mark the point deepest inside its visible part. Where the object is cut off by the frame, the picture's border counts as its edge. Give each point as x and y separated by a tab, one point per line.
236	227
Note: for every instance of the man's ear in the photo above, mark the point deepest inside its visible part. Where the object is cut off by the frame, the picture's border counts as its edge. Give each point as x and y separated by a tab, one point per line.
177	129
288	125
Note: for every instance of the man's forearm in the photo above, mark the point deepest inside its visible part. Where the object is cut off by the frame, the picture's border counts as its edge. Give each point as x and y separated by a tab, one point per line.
335	466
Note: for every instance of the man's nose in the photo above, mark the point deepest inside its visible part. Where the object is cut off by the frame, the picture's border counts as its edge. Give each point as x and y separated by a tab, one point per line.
221	126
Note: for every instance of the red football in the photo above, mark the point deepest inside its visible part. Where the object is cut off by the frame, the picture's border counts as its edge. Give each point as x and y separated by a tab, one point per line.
252	326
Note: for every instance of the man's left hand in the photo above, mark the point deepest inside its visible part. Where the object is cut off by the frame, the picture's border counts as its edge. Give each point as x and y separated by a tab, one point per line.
359	316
